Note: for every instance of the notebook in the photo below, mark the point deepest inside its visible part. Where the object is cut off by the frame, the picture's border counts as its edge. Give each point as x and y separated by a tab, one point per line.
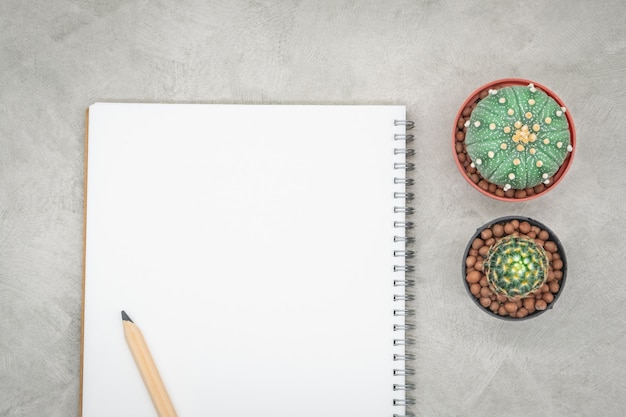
262	251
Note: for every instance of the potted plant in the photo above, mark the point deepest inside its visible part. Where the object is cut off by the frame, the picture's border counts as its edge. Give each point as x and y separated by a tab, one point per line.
514	268
513	139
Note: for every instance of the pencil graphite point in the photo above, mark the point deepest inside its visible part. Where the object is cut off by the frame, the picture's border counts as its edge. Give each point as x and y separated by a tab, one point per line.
125	317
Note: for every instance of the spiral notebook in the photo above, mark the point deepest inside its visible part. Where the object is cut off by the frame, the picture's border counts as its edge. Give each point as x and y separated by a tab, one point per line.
262	251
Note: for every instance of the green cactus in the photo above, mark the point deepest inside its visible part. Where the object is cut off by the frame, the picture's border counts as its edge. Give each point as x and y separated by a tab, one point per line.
518	137
516	267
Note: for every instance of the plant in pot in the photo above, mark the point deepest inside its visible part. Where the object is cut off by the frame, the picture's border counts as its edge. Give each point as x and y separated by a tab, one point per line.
513	140
514	267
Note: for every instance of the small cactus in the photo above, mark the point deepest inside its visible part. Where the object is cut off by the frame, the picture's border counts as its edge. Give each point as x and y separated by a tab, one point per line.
516	267
518	137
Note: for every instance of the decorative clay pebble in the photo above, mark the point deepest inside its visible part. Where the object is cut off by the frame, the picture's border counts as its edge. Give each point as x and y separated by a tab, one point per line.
473	277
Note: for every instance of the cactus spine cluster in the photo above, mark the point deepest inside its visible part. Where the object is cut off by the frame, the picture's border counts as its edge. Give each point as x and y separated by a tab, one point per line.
518	137
516	267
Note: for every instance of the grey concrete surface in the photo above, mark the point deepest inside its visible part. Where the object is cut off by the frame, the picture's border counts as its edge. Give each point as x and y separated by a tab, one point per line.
59	56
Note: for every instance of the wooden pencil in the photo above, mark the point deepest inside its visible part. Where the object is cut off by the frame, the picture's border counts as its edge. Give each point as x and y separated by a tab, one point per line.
147	368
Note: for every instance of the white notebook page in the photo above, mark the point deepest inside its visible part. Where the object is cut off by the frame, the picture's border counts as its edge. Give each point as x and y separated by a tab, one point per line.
253	246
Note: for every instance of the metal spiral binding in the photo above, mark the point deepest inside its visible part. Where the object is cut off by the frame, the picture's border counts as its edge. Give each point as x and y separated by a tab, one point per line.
408	123
403	268
403	282
406	225
405	357
405	181
406	196
403	209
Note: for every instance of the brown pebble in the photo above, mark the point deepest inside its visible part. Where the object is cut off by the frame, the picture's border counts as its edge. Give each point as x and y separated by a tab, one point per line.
510	307
530	191
541	305
515	223
470	261
521	313
554	287
502	298
484	185
485	301
492	188
535	229
502	311
473	252
494	306
460	123
484	93
483	281
485	292
462	157
460	136
557	264
509	228
498	230
548	297
475	289
558	275
499	192
479	265
545	288
477	243
483	250
539	242
486	234
475	178
458	147
529	303
524	227
543	235
539	188
520	194
550	246
510	193
466	111
473	277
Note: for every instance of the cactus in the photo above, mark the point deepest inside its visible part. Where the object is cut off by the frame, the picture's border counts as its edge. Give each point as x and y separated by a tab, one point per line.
516	267
518	137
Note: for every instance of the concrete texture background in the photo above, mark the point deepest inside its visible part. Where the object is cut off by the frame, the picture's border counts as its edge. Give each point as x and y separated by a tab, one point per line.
59	56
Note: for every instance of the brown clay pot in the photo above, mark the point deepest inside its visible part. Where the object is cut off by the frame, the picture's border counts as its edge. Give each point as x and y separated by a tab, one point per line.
473	177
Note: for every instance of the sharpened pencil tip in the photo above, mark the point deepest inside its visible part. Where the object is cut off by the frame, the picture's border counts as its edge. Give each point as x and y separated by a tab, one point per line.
125	316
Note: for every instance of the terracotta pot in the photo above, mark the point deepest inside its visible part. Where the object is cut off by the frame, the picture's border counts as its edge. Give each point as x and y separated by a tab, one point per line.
552	237
474	98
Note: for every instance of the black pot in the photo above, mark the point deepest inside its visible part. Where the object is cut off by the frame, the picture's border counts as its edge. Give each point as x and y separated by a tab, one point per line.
504	220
